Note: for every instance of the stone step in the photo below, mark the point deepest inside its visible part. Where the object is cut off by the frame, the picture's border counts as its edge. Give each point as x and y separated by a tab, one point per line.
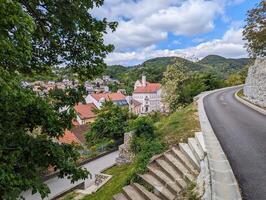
189	154
165	180
196	149
147	194
171	172
199	137
179	167
131	193
158	186
183	159
120	196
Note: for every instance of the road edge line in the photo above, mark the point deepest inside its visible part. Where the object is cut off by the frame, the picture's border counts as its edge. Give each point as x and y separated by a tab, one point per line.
248	104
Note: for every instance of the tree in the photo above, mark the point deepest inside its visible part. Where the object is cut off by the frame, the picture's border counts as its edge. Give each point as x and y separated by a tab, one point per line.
34	37
173	82
111	123
255	30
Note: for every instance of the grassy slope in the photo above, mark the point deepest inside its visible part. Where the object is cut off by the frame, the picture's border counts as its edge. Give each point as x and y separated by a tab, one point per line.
175	128
179	125
115	185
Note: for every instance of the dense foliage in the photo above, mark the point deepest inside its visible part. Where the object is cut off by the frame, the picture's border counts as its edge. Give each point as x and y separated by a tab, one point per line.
146	142
224	66
111	123
154	69
180	87
255	30
35	36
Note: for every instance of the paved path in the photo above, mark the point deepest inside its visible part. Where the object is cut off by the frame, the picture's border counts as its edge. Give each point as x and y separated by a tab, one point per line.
242	134
58	186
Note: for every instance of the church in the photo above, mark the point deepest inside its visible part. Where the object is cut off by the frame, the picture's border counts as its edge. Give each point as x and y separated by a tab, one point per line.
147	97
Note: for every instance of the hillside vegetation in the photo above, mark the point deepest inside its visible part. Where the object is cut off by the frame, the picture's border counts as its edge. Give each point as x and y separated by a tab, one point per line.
154	68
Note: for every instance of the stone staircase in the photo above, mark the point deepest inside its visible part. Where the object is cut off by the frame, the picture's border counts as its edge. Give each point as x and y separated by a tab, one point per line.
168	173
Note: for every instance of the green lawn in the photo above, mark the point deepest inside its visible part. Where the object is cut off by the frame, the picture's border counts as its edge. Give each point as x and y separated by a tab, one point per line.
115	184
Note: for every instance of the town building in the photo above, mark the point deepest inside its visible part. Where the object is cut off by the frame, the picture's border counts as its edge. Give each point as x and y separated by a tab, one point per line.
85	113
99	98
149	95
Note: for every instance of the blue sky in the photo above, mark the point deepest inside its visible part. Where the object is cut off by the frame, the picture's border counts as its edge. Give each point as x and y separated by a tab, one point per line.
187	28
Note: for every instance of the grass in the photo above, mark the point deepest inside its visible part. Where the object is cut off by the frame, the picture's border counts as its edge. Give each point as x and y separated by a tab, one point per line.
190	193
115	185
176	127
240	93
180	125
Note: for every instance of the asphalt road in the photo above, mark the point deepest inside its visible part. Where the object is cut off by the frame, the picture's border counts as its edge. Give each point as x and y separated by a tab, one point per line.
242	134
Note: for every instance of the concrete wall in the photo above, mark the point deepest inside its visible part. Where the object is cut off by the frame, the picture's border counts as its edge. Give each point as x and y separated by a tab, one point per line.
255	86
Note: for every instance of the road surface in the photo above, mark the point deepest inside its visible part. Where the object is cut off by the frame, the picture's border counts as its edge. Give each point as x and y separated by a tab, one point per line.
242	134
58	186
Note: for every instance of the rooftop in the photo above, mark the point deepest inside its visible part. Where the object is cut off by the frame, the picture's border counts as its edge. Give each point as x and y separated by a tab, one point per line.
85	111
149	88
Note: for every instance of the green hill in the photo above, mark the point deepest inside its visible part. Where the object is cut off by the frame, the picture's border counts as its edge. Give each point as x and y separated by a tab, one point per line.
154	68
224	66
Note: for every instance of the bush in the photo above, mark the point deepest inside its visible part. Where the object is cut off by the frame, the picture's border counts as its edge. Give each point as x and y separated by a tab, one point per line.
142	126
111	122
145	143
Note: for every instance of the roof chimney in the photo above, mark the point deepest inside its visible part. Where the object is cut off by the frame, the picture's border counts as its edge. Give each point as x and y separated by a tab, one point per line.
143	81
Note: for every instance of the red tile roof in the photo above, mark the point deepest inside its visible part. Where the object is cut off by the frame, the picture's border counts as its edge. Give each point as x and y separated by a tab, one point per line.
109	96
85	111
149	88
69	138
80	131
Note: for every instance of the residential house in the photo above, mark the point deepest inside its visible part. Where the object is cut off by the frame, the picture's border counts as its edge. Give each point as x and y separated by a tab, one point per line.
85	113
99	98
76	135
149	95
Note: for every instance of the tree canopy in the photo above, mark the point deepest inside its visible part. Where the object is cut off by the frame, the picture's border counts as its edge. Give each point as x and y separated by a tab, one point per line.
255	30
111	123
36	36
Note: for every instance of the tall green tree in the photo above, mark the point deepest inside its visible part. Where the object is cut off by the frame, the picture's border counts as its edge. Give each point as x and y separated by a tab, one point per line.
111	123
34	37
173	82
255	30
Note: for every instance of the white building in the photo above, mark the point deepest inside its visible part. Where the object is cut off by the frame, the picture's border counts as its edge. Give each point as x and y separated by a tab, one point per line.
149	95
99	98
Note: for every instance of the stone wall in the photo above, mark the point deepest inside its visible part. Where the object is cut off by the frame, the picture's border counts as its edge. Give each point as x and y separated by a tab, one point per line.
255	86
125	153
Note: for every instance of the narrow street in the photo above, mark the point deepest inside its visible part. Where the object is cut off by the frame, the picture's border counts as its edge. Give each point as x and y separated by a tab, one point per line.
58	186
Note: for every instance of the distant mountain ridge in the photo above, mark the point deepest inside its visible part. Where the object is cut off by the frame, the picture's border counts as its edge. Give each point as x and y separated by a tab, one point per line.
155	67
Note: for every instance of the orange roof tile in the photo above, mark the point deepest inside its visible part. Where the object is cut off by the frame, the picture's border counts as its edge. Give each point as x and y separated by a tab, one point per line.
69	138
85	111
109	96
149	88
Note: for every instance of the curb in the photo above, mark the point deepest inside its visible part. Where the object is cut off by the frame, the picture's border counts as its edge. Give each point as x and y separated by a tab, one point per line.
221	183
252	106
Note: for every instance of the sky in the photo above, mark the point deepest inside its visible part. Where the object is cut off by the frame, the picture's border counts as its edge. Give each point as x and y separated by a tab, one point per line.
191	29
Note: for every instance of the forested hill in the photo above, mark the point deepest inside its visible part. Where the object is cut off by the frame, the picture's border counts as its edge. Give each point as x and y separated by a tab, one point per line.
224	66
155	67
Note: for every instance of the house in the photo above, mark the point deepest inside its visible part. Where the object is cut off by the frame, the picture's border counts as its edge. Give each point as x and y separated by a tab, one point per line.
99	98
135	106
76	135
149	95
85	113
69	138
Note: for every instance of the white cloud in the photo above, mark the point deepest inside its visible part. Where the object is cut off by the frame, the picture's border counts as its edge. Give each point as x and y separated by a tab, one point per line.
230	45
146	22
192	17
